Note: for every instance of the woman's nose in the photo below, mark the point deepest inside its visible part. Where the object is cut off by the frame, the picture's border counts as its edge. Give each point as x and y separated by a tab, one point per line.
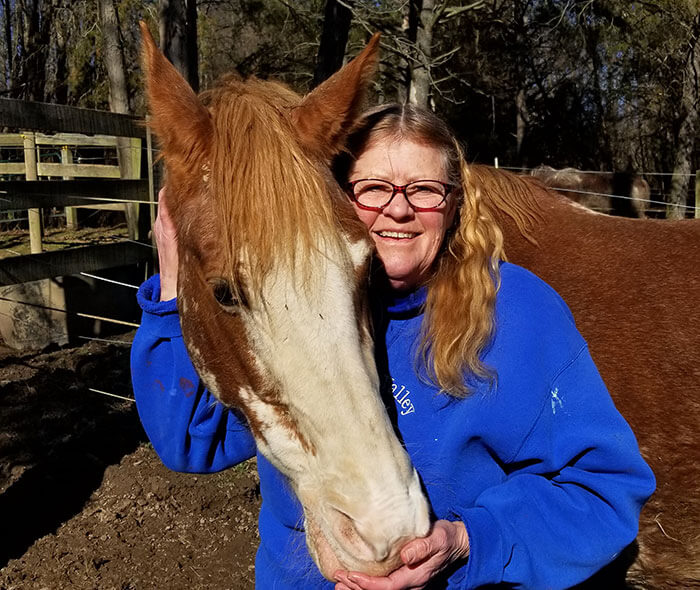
399	207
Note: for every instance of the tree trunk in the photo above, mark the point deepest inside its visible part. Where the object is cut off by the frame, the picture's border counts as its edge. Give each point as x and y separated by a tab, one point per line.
192	46
592	36
115	65
7	12
114	57
690	103
409	28
522	22
178	37
61	86
419	93
520	123
18	51
29	75
334	38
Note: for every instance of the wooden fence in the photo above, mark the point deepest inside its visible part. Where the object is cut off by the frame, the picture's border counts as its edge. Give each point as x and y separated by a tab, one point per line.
33	125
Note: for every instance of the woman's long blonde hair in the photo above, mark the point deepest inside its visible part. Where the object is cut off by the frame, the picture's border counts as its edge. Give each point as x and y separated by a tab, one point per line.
459	312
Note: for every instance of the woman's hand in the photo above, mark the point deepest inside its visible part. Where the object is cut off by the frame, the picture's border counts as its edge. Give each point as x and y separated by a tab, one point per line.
447	543
166	242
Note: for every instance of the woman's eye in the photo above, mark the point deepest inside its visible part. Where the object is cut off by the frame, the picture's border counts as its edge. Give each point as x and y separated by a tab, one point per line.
375	188
426	188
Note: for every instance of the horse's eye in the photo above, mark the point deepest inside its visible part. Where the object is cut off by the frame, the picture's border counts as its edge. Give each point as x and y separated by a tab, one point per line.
222	292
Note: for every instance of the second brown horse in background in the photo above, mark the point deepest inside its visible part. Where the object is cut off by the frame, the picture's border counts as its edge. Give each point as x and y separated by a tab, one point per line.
618	193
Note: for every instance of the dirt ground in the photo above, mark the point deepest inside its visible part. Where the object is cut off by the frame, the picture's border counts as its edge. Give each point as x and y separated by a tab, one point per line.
16	242
84	501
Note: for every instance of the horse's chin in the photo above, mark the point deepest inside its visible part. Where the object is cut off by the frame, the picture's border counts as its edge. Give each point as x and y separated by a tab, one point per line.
329	562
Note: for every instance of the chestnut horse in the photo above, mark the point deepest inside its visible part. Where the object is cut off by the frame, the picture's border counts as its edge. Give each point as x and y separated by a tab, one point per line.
618	193
272	298
633	286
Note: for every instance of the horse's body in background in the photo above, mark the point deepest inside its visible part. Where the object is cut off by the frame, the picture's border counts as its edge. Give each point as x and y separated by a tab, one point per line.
617	193
272	280
634	288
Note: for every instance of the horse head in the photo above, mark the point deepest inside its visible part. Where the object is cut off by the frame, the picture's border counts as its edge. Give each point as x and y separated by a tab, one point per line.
272	298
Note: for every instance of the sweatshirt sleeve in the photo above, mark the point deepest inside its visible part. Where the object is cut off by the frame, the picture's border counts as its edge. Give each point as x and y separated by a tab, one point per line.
189	429
572	496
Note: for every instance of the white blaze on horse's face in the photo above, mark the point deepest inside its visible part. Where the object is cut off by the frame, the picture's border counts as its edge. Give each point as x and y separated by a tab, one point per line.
272	292
325	426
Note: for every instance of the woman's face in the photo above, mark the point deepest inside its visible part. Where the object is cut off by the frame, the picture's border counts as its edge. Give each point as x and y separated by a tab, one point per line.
407	240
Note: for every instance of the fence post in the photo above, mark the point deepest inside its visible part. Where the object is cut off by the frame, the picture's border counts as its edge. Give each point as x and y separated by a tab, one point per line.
151	183
129	153
71	212
30	173
697	194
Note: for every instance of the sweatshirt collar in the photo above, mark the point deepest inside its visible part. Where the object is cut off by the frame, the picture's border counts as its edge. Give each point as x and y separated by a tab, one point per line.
405	304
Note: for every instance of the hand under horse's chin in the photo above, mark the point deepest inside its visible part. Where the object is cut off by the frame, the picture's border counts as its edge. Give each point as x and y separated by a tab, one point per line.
328	561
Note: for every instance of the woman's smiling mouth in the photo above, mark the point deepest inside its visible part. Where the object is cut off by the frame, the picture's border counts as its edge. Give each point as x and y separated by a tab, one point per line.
398	235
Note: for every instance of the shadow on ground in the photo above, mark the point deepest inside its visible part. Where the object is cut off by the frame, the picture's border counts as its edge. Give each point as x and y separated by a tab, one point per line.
57	437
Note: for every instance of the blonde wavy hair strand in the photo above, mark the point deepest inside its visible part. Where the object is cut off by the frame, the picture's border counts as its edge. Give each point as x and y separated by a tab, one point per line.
467	279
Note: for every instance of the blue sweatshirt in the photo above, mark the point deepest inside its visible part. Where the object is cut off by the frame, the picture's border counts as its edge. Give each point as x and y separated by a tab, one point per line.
539	465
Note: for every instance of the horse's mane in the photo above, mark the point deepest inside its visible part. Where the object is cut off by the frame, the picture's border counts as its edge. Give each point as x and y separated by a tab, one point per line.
271	196
516	196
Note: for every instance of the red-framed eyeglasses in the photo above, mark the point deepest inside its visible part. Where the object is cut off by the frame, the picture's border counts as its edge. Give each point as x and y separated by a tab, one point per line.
374	194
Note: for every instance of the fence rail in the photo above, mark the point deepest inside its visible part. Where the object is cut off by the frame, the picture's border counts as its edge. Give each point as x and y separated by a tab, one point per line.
52	118
34	267
42	125
58	139
26	194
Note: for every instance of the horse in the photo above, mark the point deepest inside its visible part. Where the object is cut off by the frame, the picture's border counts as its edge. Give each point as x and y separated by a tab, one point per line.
272	297
617	193
633	286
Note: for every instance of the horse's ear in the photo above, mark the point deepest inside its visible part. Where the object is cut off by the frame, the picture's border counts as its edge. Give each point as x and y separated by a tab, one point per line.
325	116
178	118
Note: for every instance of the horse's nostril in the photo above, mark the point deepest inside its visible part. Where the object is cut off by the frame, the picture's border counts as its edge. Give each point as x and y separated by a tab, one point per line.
381	551
367	549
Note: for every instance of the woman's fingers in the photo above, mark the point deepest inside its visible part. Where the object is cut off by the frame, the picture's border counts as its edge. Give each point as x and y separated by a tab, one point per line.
357	581
165	235
417	550
345	583
404	578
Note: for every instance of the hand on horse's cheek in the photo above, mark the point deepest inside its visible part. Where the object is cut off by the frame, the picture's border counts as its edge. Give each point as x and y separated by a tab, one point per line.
165	235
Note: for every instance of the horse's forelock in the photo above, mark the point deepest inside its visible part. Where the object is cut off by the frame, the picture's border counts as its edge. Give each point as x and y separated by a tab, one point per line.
270	195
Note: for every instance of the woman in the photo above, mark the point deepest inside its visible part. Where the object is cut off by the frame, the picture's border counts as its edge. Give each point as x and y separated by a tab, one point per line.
534	479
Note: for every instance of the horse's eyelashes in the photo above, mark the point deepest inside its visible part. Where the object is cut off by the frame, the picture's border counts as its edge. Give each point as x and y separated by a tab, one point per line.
223	293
